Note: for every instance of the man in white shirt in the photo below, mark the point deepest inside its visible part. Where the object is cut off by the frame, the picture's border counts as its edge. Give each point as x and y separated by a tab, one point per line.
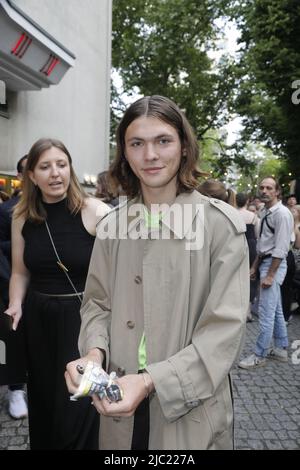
272	249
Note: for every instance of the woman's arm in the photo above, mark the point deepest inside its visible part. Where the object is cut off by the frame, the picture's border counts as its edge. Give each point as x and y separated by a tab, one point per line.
20	276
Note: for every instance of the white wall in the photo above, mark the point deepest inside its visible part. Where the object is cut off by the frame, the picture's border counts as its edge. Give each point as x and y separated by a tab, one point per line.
76	110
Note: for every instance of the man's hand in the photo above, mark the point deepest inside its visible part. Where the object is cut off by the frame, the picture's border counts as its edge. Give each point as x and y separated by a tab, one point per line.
267	281
134	391
72	375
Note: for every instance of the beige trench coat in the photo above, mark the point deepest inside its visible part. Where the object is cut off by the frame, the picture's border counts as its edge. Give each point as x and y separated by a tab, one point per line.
191	304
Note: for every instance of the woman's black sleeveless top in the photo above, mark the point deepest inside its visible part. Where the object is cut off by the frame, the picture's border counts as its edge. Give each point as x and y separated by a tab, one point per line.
73	244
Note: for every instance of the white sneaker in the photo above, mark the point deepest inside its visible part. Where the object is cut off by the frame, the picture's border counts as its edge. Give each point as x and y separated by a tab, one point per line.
278	354
17	406
251	362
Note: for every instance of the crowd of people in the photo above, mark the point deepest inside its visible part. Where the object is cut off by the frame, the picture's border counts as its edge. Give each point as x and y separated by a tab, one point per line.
252	210
17	405
149	289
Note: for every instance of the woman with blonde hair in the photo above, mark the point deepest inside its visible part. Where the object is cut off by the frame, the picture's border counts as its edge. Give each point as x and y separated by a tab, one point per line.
53	233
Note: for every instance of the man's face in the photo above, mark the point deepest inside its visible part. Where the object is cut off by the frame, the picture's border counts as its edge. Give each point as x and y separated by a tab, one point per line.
292	201
268	192
153	151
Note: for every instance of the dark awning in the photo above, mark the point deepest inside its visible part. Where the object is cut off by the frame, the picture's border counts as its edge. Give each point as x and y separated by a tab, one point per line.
30	59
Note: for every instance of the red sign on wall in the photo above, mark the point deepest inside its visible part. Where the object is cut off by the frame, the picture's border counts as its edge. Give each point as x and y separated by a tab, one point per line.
50	65
21	46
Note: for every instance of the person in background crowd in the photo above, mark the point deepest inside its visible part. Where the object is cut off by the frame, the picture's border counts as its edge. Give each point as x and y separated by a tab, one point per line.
287	289
296	215
291	201
6	210
254	305
4	197
53	233
250	218
17	406
295	188
103	190
252	231
4	281
252	208
217	190
287	286
272	249
259	206
174	347
16	193
296	253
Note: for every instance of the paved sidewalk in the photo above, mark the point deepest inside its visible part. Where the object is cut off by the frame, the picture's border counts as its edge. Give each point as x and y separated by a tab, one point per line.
267	399
13	432
267	403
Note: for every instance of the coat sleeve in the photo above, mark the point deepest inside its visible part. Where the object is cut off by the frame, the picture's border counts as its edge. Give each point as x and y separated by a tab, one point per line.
195	373
96	308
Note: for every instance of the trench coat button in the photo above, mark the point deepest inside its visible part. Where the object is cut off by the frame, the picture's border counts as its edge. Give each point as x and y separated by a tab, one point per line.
121	371
217	201
116	419
192	404
130	324
138	280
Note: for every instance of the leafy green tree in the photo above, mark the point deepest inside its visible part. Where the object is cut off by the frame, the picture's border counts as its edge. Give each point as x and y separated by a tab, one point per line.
161	47
214	156
267	71
261	162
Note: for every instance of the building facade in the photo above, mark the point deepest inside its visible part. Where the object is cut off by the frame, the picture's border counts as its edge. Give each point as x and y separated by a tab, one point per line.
55	72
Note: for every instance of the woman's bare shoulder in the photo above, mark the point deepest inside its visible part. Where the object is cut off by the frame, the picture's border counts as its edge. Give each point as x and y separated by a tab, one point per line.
97	206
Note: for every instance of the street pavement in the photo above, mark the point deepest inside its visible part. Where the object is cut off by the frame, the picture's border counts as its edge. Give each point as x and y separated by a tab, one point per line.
267	399
267	403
